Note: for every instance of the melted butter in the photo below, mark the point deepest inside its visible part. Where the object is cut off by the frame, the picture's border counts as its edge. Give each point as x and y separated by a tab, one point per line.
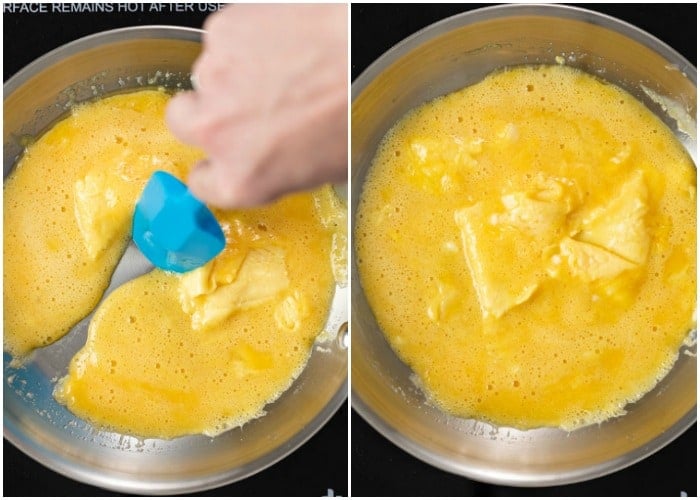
68	207
527	245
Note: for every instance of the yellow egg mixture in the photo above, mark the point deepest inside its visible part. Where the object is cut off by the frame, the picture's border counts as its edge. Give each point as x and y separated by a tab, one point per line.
67	212
166	354
528	247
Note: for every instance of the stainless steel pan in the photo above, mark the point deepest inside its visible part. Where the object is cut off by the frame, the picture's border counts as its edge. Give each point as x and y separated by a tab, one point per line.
445	57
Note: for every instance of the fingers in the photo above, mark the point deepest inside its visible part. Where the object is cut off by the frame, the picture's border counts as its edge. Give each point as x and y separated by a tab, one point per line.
201	181
179	116
215	184
269	121
225	187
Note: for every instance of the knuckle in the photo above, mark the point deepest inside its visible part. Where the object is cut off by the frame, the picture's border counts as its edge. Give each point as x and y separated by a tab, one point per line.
206	131
212	22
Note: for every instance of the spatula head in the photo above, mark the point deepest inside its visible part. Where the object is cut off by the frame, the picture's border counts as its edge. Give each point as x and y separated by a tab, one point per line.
172	228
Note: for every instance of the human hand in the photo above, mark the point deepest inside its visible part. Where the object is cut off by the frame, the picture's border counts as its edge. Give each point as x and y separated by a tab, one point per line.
270	103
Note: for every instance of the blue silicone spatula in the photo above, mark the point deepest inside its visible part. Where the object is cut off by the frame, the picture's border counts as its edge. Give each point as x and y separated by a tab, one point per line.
173	229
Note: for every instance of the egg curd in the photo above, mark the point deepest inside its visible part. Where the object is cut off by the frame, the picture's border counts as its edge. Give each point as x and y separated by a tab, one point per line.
528	248
67	212
166	354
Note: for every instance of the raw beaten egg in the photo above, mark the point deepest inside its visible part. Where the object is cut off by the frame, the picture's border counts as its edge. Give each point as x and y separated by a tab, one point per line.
67	211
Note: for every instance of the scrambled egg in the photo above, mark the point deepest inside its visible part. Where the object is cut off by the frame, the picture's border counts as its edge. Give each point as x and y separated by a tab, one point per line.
166	355
527	245
67	211
205	351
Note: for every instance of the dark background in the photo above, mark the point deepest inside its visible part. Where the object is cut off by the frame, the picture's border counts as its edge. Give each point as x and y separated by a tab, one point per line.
320	464
378	467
